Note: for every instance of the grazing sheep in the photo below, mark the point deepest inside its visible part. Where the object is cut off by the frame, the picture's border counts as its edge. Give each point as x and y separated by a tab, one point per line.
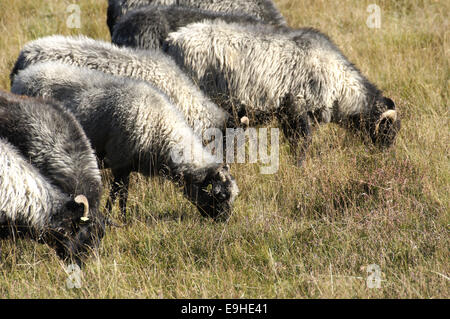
152	66
297	75
265	10
31	205
54	142
134	127
147	27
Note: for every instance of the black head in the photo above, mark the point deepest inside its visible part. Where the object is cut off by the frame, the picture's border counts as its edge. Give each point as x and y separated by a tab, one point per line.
76	229
381	124
212	190
384	123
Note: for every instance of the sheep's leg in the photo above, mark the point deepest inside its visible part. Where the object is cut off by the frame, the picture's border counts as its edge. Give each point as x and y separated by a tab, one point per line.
119	188
296	129
305	132
295	126
111	198
123	194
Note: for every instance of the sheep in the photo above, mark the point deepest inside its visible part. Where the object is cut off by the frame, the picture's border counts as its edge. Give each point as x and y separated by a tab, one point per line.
134	127
54	142
31	205
152	66
147	27
264	10
299	76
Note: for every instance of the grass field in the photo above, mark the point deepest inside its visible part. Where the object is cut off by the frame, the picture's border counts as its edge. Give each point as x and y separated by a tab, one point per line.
305	232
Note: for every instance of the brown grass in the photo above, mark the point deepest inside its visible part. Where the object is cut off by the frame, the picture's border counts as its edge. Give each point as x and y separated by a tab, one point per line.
306	232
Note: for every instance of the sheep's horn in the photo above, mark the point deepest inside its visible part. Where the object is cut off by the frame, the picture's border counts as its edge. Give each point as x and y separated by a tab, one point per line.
81	199
245	121
390	114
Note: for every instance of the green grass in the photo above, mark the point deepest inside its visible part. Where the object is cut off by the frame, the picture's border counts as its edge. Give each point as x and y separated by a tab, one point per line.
306	232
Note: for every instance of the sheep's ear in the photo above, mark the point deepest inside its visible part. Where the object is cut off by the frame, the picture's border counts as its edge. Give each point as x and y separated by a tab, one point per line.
389	103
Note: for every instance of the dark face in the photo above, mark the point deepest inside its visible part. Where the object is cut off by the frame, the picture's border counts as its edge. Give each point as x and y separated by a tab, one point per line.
214	194
384	124
72	237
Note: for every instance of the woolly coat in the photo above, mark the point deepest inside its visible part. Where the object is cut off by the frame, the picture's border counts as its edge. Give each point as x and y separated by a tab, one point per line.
147	27
27	198
52	139
264	10
257	68
152	66
131	125
30	204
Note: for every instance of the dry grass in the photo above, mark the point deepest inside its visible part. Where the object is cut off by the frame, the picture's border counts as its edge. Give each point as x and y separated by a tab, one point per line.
305	232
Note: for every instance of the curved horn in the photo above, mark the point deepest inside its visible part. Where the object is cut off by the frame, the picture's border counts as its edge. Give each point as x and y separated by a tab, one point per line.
245	121
389	114
81	199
